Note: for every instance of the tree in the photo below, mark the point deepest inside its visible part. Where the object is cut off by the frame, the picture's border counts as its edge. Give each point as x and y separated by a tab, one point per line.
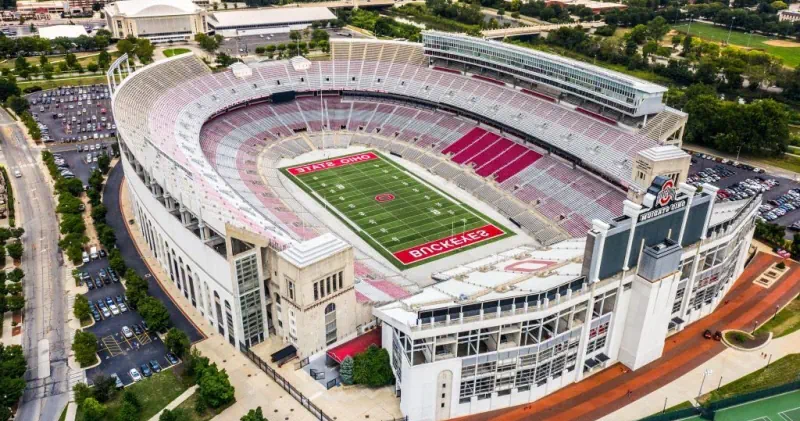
71	60
17	104
207	43
224	60
99	213
81	308
93	410
17	232
144	50
8	88
82	392
253	415
154	313
92	67
136	287
177	341
105	387
214	387
15	275
14	250
371	367
72	223
175	414
796	245
68	203
116	262
346	370
295	35
104	59
85	347
103	163
126	46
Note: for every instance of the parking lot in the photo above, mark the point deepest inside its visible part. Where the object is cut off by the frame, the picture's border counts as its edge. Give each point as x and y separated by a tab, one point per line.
739	177
73	114
246	44
124	343
81	164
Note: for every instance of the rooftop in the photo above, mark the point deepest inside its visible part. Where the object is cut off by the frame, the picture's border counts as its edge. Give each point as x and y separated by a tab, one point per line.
240	18
57	31
638	84
151	8
307	252
515	272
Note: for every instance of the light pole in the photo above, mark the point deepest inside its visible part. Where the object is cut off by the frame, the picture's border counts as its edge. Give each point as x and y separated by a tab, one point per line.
755	324
727	41
737	152
705	374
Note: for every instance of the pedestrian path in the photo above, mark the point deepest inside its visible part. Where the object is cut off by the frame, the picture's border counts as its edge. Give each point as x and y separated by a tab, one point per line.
174	404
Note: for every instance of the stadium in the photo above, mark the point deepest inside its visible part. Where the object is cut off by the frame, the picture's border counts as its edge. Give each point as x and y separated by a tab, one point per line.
511	221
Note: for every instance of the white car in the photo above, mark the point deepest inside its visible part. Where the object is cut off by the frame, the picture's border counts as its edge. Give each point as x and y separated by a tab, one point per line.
114	309
135	375
17	174
127	332
106	313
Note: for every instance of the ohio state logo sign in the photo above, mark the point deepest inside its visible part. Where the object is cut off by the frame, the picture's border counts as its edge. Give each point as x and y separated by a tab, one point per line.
384	197
666	194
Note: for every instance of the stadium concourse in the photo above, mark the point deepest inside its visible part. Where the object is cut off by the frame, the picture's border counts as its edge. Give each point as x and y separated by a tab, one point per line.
488	219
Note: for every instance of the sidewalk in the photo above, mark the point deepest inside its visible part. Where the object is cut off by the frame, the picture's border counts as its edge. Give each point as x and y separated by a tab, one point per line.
726	367
179	400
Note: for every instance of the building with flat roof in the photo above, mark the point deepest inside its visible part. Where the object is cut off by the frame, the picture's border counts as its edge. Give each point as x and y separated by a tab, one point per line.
58	31
26	8
789	15
156	20
267	21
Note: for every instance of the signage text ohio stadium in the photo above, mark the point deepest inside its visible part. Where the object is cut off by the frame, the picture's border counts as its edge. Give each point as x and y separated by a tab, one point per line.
447	244
662	210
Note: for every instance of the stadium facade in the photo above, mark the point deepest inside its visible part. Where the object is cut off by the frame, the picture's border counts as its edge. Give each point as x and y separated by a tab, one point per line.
621	253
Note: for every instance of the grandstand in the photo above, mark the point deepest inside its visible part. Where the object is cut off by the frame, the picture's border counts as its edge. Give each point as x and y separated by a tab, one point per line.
206	156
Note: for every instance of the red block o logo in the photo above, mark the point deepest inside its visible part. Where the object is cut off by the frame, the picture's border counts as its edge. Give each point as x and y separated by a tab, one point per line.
384	197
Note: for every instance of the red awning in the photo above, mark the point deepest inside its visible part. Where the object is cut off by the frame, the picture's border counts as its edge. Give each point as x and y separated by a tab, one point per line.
356	345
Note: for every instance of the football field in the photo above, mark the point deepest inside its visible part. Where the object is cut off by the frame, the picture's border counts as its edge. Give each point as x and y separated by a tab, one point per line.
402	216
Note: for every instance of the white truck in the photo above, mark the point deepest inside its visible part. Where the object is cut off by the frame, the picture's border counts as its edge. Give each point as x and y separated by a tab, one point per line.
93	253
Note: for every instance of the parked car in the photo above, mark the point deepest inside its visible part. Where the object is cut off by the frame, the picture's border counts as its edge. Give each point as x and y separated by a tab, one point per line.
155	366
126	331
135	375
172	358
117	382
146	370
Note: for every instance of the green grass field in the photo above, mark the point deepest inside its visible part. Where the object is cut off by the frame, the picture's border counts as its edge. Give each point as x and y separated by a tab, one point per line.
790	56
785	407
403	217
175	51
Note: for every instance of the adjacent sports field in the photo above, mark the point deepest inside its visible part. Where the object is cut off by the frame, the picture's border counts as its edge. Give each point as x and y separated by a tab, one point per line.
784	407
715	33
403	217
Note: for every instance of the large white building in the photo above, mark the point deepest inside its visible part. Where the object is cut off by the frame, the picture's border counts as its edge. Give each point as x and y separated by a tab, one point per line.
156	20
613	251
267	21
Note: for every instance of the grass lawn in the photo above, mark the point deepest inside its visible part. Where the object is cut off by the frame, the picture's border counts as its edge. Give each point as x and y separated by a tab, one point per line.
786	322
786	162
154	393
781	371
175	51
63	415
682	405
404	218
70	81
709	32
187	407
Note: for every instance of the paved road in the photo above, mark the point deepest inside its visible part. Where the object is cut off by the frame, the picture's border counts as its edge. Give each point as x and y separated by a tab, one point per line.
45	311
131	255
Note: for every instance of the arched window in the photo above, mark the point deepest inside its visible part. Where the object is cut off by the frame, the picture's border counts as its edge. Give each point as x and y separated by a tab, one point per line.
330	323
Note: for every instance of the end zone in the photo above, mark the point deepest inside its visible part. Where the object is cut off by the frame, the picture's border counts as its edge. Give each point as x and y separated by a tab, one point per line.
332	163
448	244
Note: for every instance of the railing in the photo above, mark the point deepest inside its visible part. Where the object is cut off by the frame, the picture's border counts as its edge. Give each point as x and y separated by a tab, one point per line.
296	394
302	363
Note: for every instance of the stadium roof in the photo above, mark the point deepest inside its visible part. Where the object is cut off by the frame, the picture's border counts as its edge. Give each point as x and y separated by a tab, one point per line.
57	31
636	83
152	8
272	16
512	273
